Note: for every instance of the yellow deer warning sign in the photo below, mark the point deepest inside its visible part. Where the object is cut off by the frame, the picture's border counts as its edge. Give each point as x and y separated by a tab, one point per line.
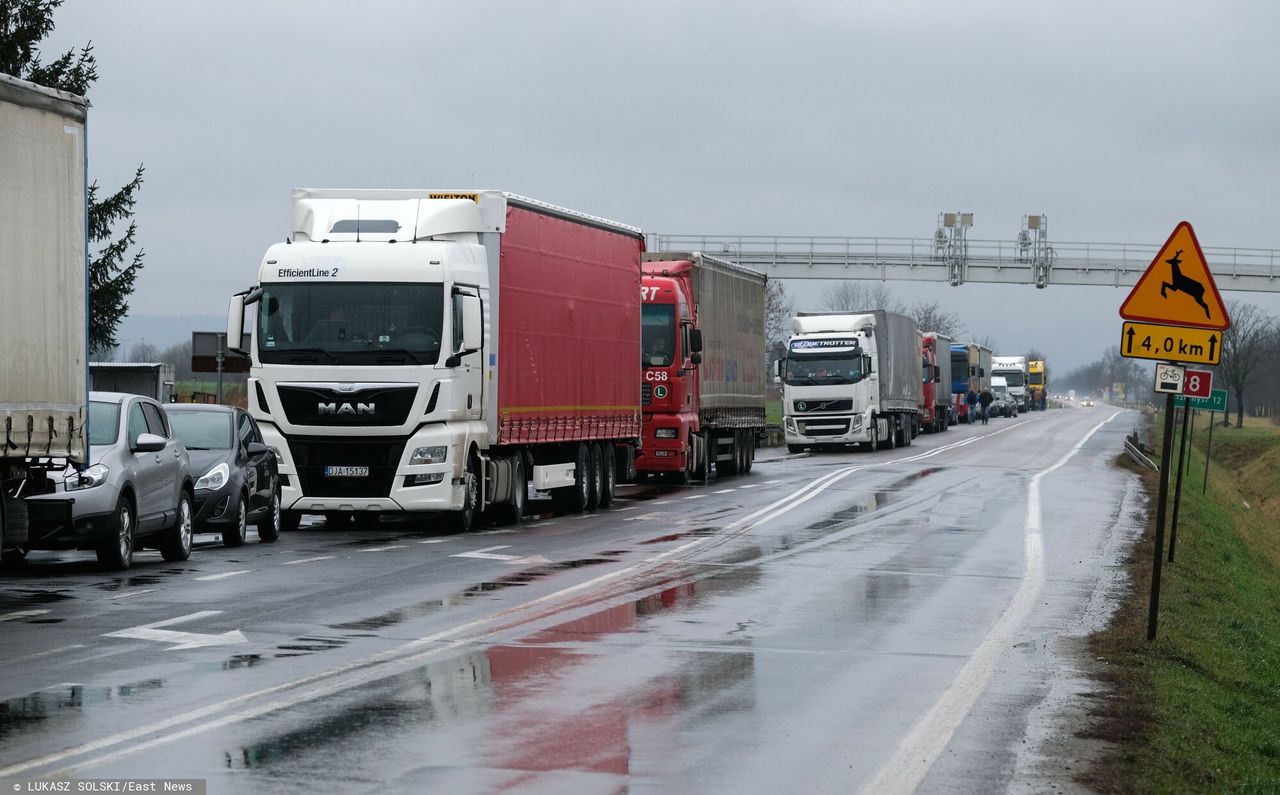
1177	287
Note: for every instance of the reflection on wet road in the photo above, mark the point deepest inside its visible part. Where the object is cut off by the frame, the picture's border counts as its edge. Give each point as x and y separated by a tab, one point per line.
791	629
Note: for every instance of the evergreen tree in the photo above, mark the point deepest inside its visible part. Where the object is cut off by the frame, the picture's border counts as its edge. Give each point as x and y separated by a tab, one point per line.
23	25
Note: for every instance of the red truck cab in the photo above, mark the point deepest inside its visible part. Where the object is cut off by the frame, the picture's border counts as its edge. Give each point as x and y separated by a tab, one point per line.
670	353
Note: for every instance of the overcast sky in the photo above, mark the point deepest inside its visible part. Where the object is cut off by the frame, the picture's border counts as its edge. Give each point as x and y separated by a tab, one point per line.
1116	120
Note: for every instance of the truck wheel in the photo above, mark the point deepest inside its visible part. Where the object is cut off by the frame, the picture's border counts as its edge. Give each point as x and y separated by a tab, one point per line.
13	557
700	468
117	552
795	448
891	438
513	511
16	522
597	478
576	496
177	539
235	535
749	454
463	520
608	466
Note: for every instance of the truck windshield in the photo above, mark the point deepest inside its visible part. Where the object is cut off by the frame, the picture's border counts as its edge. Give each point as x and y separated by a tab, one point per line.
350	323
959	371
1012	377
844	367
657	334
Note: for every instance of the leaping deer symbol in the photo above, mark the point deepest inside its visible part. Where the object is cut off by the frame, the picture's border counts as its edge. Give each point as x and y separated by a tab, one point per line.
1184	284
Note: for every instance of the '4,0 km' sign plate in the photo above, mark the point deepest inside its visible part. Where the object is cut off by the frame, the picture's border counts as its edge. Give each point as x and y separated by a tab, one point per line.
1170	343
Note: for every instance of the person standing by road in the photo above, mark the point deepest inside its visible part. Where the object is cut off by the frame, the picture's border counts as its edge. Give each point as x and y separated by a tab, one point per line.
971	400
986	399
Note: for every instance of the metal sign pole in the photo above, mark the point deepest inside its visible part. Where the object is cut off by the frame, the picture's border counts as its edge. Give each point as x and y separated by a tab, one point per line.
1166	451
1177	489
1208	452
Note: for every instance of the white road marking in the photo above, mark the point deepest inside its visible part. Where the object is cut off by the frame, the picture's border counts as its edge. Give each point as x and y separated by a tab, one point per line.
184	640
46	653
382	549
726	491
128	595
642	517
695	497
921	746
487	553
433	541
224	575
309	560
21	614
664	502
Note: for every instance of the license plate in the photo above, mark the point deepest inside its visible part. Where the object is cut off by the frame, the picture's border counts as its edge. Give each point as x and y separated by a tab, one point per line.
346	472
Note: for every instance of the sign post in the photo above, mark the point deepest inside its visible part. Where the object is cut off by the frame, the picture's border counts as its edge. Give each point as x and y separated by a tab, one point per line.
1176	317
1199	384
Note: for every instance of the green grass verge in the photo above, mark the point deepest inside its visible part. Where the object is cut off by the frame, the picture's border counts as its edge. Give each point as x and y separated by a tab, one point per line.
1198	710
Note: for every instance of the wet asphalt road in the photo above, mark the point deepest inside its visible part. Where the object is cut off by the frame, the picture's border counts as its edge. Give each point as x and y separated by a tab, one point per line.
888	621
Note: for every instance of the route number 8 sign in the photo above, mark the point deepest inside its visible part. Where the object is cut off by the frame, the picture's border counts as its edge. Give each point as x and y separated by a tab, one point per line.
1199	383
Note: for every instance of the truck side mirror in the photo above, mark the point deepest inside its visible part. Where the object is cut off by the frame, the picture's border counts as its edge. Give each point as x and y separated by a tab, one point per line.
695	340
235	317
472	328
695	357
777	369
866	363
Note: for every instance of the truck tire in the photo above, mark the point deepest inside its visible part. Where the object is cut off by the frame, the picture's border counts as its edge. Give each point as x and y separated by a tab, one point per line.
596	477
463	520
750	455
513	511
573	499
795	448
609	467
698	446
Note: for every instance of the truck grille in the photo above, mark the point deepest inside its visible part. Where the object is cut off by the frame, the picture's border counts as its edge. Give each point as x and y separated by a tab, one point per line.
836	404
378	406
312	455
824	427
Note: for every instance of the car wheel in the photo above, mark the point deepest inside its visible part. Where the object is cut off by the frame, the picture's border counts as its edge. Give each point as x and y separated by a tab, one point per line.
117	551
269	525
177	542
236	534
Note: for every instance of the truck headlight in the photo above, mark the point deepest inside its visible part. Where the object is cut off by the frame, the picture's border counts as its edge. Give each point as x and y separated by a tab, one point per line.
429	455
665	433
857	421
95	475
215	478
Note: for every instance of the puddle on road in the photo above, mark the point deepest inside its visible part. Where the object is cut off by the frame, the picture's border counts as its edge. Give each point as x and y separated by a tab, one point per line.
309	644
19	599
66	702
536	705
142	580
699	532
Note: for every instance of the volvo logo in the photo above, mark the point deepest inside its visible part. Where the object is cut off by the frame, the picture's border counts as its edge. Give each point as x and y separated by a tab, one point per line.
345	408
802	406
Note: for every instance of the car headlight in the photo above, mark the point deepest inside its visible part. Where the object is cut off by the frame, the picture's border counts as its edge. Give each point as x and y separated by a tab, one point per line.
95	475
429	455
215	478
665	433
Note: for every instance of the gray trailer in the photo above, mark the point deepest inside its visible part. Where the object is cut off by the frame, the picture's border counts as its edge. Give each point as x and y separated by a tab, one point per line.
43	295
709	412
939	404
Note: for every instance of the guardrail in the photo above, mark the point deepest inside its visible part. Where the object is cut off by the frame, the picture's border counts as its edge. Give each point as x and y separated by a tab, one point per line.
1139	457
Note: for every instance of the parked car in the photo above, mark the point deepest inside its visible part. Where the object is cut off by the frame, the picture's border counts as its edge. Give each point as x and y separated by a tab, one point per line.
237	479
137	490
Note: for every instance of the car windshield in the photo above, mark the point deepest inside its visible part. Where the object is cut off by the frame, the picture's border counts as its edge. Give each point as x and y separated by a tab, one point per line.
350	323
104	423
202	430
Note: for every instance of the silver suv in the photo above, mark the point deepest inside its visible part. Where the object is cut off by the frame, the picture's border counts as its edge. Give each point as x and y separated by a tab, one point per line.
137	488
